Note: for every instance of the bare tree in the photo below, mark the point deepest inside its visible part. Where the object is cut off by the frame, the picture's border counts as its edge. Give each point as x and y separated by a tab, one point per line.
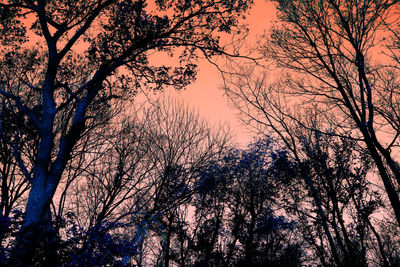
329	47
116	35
143	166
335	174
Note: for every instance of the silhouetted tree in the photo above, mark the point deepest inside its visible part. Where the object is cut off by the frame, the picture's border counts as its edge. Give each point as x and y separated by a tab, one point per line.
14	136
144	165
332	83
329	47
115	35
332	173
236	222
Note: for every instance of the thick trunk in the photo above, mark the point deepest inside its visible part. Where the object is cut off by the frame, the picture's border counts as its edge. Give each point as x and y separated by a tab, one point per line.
38	201
37	240
36	244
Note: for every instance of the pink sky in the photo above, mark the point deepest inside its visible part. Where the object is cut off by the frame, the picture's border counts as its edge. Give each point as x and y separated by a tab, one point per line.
205	94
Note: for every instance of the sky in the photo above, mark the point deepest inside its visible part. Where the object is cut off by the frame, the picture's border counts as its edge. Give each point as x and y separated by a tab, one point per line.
206	95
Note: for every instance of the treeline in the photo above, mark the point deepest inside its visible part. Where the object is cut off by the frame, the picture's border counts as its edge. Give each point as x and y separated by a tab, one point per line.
328	90
90	176
160	187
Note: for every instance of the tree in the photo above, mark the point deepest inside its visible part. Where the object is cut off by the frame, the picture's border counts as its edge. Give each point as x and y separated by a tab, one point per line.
231	218
117	35
338	172
333	193
180	145
235	210
144	166
15	137
326	49
331	43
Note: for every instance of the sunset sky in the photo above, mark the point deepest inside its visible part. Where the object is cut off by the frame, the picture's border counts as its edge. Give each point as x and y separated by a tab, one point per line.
205	94
116	150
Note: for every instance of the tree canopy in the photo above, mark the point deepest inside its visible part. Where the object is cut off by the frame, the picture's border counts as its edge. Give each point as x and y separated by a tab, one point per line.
90	176
60	87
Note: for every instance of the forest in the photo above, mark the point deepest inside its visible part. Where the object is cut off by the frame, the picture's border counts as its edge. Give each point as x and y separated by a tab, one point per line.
94	174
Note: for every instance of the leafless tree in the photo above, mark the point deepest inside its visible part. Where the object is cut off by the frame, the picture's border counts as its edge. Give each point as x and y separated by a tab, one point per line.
145	165
328	48
117	38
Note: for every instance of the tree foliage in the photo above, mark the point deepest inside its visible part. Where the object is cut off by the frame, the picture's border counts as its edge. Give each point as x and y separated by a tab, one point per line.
333	106
67	85
84	182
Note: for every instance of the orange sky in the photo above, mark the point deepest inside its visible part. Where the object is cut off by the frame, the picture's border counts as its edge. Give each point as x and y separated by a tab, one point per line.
205	94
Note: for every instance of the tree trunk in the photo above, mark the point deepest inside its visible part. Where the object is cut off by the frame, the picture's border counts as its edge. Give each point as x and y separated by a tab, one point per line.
323	217
36	244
